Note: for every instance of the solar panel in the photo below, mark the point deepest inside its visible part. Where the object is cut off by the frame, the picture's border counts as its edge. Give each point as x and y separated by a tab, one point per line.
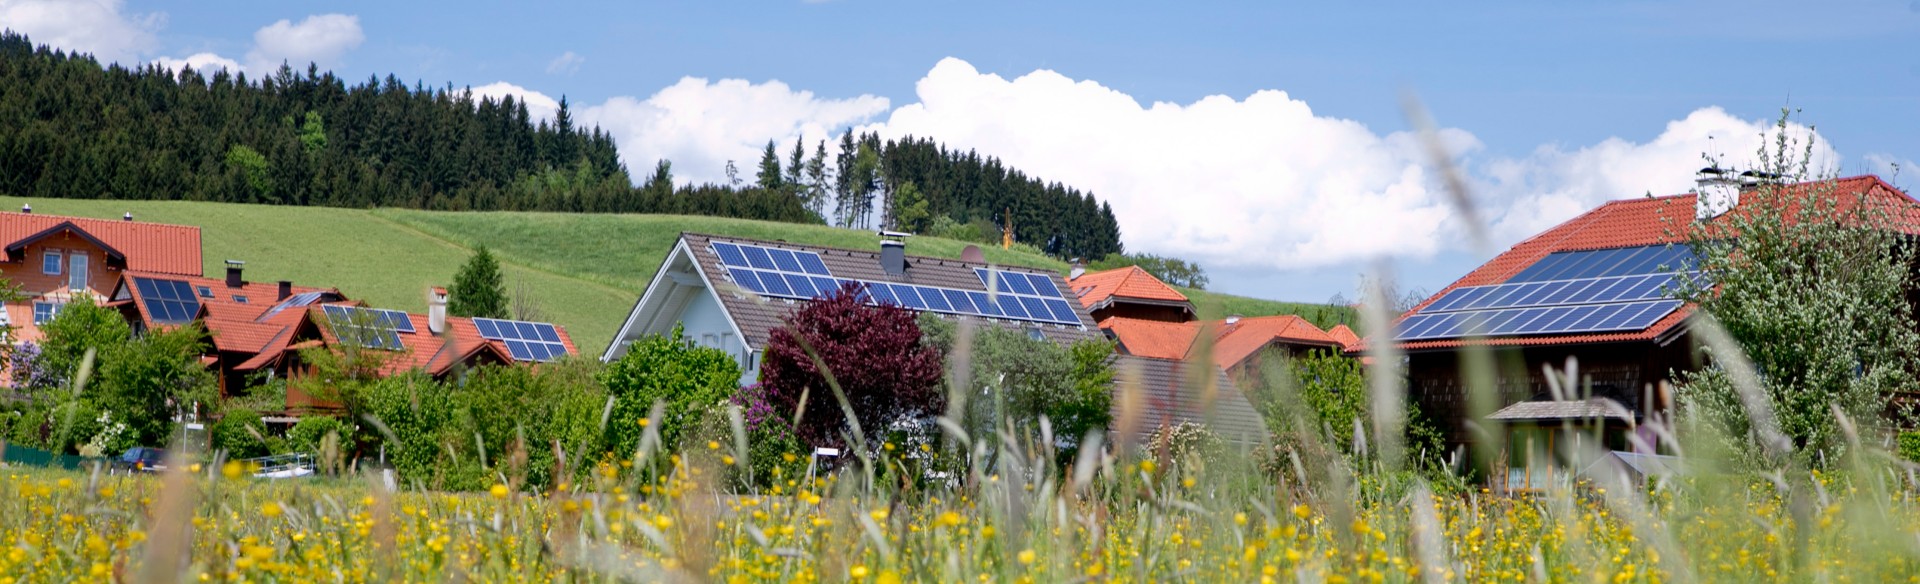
1543	320
373	328
1565	292
525	341
1560	292
294	301
168	301
1602	263
802	275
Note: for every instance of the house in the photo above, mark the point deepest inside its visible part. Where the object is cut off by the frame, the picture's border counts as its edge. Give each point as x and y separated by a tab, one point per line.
242	319
55	260
1597	288
1237	345
1130	292
729	293
1168	392
439	345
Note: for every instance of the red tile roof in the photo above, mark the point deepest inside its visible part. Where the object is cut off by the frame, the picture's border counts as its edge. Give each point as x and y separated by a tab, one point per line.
1232	343
234	326
149	247
1096	288
1640	222
1345	336
438	354
1152	338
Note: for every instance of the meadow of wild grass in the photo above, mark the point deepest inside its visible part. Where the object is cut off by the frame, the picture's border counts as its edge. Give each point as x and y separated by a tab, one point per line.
1127	519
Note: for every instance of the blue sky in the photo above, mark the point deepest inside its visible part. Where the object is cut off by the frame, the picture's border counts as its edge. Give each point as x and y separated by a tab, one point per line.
1278	159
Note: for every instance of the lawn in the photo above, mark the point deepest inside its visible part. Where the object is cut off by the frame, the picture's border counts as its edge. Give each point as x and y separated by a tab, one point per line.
586	270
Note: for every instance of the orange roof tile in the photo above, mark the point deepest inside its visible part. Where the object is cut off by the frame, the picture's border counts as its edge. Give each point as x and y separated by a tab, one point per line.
1097	288
1343	335
1640	222
438	354
151	247
1152	338
1234	343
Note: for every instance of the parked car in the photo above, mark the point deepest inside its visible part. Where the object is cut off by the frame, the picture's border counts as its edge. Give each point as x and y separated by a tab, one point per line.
141	459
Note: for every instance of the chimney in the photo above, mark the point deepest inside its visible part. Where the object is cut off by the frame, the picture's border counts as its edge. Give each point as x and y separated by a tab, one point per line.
893	252
286	290
127	217
233	273
27	208
437	309
1718	192
1079	269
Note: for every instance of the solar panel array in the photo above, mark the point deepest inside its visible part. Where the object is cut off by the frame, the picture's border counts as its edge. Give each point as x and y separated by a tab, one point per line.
294	301
801	275
1601	263
526	341
375	328
1566	292
168	301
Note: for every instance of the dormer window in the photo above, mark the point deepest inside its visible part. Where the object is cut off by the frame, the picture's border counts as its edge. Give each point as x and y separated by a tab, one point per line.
50	262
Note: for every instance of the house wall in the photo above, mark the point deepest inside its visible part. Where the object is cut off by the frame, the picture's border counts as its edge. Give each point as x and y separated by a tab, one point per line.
1624	372
35	285
1124	309
706	325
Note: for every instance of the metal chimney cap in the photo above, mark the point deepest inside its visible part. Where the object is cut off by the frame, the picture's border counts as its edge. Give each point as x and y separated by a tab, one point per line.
895	234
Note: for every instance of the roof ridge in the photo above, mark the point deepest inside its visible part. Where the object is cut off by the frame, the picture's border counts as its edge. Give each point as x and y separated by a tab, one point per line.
873	253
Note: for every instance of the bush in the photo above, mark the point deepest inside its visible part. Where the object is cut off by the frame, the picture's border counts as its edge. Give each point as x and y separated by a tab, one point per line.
670	369
876	356
1910	446
1072	386
307	434
1187	441
240	433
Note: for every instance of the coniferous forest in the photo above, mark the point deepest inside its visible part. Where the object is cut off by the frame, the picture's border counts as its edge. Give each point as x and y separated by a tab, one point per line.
78	129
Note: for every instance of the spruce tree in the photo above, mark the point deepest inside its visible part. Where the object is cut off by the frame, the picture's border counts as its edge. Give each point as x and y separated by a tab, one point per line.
769	176
478	290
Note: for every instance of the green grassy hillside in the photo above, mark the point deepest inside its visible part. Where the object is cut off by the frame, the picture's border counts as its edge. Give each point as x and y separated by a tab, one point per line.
585	270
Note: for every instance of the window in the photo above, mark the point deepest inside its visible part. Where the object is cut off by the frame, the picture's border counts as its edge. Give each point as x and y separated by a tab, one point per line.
50	263
77	271
44	311
240	299
205	292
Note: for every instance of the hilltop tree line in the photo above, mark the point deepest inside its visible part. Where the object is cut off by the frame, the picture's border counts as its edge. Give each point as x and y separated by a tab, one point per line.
77	129
918	185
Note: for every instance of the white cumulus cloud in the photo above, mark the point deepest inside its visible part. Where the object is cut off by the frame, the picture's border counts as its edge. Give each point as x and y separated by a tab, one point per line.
1207	181
205	63
1553	183
319	38
567	63
91	26
700	124
539	105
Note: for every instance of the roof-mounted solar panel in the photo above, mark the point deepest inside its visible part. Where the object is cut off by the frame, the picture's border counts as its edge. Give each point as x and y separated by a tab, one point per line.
525	341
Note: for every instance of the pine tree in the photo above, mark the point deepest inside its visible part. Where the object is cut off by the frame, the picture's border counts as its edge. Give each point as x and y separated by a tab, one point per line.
796	171
769	177
817	181
478	289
